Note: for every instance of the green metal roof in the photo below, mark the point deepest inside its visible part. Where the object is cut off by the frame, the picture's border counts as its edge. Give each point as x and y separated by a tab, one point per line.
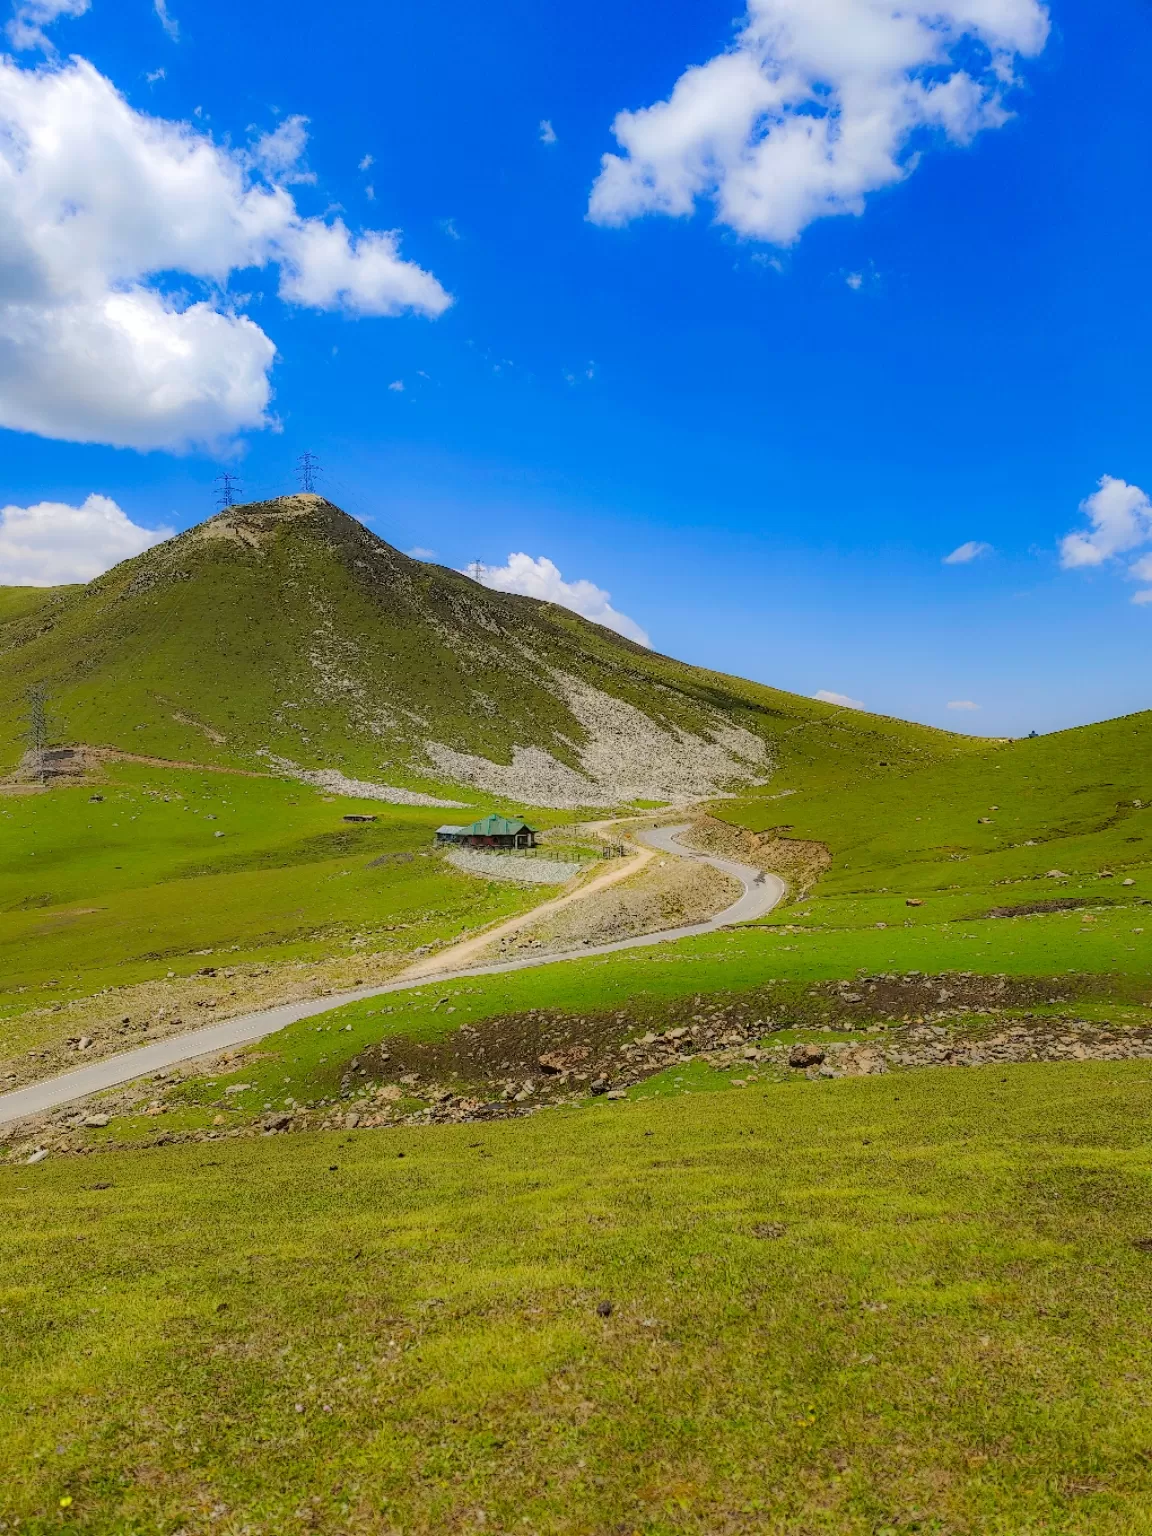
497	826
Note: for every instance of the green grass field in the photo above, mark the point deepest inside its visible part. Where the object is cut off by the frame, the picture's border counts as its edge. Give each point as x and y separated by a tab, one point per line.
1104	962
978	832
172	863
873	1306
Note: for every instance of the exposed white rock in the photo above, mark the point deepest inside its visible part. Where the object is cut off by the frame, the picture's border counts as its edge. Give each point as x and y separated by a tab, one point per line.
336	783
626	756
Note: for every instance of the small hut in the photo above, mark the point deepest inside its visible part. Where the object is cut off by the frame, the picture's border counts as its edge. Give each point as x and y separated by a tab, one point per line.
494	832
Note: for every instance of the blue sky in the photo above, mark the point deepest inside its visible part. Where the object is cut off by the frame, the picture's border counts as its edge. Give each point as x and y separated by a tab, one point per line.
759	426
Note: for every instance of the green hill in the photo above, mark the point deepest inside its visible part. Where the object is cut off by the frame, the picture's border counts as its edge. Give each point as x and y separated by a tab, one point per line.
285	631
1041	824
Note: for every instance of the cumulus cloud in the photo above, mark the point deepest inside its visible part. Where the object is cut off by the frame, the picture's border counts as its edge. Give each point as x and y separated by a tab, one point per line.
826	696
118	236
968	552
547	132
961	704
1121	520
816	104
420	553
30	17
541	578
52	543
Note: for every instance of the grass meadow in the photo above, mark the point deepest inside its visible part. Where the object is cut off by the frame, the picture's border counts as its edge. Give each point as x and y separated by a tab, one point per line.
912	1302
171	863
868	1306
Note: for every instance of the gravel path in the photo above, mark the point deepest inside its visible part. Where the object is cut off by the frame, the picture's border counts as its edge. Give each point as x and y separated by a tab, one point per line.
761	893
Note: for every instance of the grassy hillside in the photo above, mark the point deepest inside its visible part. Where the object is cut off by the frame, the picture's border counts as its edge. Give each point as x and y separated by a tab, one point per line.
979	833
920	1303
288	628
18	603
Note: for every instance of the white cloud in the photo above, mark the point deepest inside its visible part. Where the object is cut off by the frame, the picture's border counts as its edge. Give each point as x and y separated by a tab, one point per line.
855	281
279	154
541	578
968	552
30	17
323	266
52	543
97	202
1121	518
420	553
961	704
168	22
1141	570
366	164
826	696
156	74
816	104
397	386
547	132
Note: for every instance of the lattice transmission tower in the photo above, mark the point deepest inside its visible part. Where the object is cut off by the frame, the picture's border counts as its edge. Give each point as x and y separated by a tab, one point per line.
228	485
308	471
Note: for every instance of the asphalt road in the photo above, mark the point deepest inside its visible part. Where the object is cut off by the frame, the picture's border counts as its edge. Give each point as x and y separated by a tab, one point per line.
761	893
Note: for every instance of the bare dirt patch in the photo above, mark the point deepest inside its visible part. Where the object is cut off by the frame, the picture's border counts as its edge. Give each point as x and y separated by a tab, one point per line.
62	1035
667	893
1031	908
796	860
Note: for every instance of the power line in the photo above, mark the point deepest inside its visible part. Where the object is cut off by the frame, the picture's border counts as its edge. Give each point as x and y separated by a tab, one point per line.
229	485
308	472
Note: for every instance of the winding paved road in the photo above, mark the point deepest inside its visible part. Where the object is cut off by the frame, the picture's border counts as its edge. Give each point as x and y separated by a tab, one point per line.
761	893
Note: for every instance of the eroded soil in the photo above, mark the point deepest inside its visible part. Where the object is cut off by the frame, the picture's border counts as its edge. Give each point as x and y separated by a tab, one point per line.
516	1063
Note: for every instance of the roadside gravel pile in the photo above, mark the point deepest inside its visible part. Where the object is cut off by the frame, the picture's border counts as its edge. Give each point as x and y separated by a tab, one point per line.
510	866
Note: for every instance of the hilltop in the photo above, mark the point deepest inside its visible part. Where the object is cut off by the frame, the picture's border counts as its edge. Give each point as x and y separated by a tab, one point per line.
284	635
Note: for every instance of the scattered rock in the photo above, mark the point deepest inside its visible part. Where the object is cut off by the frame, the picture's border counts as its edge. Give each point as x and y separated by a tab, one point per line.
604	1309
37	1157
97	1122
913	901
805	1056
600	1085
